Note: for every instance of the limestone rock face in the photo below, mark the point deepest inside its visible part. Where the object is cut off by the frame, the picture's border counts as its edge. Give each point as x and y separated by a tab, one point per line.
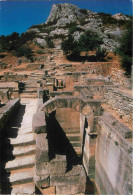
65	17
63	14
58	32
120	16
113	33
77	35
40	42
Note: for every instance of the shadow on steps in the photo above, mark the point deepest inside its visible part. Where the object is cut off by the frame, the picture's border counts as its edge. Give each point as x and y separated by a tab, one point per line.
10	131
59	143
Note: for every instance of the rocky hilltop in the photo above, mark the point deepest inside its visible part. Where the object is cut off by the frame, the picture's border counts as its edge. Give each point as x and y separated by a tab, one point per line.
65	16
41	46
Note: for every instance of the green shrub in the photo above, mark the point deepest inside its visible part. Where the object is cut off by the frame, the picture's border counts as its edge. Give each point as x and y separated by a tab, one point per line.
83	22
108	19
52	22
116	143
24	51
60	36
14	41
2	56
40	27
49	42
40	52
71	47
126	63
101	54
74	29
83	11
71	25
10	42
88	41
125	49
109	58
27	36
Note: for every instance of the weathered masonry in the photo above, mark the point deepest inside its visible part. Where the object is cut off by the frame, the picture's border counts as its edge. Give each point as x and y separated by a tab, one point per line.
80	129
97	129
62	171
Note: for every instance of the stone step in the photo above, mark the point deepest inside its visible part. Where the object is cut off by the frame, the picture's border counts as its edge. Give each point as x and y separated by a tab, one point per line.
17	131
21	176
28	188
72	133
29	85
25	95
20	163
22	150
73	137
78	150
23	140
30	88
75	143
25	130
30	91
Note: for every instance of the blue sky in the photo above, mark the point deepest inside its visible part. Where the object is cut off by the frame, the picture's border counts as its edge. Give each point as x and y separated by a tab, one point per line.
18	16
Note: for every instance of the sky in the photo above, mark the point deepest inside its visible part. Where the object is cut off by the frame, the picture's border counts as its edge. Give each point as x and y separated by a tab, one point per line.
18	16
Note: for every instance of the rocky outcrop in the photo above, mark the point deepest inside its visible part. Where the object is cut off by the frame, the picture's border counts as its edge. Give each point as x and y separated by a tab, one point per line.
62	14
40	41
120	16
66	16
58	32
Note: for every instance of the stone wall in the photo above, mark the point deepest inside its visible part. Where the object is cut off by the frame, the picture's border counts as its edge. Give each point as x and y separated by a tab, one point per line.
35	66
110	166
121	102
118	99
52	171
4	95
106	69
9	90
88	128
93	90
14	77
113	157
7	113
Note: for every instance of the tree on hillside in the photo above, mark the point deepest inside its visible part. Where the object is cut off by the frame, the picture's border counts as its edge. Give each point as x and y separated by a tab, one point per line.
125	50
9	42
17	44
71	47
14	41
88	41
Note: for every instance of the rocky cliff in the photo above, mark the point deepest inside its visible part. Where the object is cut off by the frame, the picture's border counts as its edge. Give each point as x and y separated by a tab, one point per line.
65	16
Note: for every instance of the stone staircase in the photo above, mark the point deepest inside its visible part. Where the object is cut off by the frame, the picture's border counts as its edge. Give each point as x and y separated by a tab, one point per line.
30	89
69	122
31	85
74	139
20	152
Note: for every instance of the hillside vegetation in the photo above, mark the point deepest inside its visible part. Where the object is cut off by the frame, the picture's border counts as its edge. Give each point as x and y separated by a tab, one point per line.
75	31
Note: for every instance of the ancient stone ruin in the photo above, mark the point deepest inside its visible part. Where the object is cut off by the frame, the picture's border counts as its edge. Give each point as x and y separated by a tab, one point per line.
65	127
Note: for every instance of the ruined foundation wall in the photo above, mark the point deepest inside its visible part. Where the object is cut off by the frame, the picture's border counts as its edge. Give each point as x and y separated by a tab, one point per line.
113	157
121	102
118	100
4	95
12	78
